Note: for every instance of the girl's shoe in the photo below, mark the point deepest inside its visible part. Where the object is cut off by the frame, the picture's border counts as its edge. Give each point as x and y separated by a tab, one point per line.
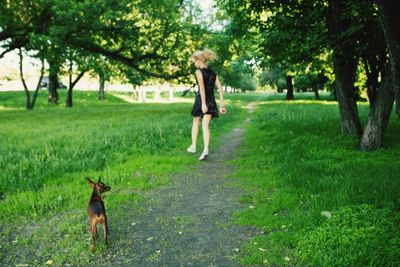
203	155
191	149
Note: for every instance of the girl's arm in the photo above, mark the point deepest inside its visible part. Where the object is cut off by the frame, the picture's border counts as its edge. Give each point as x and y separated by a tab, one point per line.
199	77
221	92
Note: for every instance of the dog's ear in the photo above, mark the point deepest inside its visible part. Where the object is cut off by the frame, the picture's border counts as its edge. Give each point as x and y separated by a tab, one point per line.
99	179
90	182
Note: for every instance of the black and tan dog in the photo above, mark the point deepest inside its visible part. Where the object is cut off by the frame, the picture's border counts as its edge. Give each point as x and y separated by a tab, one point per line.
97	211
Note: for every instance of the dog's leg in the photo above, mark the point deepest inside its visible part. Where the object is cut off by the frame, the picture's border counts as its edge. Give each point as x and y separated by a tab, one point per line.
93	235
105	233
105	217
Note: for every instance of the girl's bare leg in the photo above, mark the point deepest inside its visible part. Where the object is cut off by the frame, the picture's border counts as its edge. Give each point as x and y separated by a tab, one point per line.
195	131
206	131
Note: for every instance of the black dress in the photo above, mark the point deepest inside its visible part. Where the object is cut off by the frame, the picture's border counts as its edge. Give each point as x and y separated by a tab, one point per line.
209	78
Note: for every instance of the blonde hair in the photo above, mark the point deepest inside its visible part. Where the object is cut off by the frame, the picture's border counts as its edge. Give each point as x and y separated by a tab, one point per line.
205	56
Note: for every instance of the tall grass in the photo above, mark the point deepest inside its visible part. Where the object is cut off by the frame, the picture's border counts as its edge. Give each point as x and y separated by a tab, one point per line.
46	153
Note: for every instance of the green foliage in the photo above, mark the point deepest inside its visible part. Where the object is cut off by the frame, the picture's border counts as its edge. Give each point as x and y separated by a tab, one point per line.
306	82
237	62
15	100
154	38
148	36
298	35
302	83
279	30
274	78
296	164
240	80
356	235
247	83
237	75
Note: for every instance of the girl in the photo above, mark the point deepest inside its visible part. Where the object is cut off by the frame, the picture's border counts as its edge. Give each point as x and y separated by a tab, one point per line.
204	105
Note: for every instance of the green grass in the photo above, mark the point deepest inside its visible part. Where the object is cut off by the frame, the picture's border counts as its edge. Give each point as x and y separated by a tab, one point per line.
40	150
294	165
45	155
15	99
268	96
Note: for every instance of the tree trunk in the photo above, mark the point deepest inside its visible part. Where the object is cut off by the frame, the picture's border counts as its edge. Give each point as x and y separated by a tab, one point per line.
142	94
314	86
379	115
34	97
170	93
390	20
316	94
135	94
71	86
102	82
53	82
21	73
28	104
345	64
345	74
334	94
68	101
289	87
372	73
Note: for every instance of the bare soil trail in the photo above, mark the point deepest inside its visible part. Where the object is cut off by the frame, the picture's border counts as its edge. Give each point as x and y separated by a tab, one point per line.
187	222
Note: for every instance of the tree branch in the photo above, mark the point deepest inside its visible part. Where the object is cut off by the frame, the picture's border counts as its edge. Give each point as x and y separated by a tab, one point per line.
116	55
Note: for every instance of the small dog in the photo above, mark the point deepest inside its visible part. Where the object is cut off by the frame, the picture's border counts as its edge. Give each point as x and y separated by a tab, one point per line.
97	211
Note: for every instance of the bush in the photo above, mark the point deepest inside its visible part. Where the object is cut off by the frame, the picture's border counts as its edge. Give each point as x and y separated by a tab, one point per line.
356	235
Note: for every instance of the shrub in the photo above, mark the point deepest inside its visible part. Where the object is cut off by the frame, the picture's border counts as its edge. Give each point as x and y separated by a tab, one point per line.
356	235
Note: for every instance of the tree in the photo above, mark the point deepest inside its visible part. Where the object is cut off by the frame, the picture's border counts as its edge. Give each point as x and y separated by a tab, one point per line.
55	55
148	36
389	88
22	25
378	118
299	32
345	64
309	81
238	76
103	69
274	78
20	19
371	47
155	38
29	102
80	59
132	77
389	20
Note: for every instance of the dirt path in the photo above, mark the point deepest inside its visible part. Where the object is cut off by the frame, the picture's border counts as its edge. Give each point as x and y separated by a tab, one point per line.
188	222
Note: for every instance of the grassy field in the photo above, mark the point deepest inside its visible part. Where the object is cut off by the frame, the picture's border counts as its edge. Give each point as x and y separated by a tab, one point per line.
318	200
46	154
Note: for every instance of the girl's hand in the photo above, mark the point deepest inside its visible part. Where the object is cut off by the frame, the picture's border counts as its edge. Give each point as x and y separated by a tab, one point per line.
204	108
222	110
222	103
